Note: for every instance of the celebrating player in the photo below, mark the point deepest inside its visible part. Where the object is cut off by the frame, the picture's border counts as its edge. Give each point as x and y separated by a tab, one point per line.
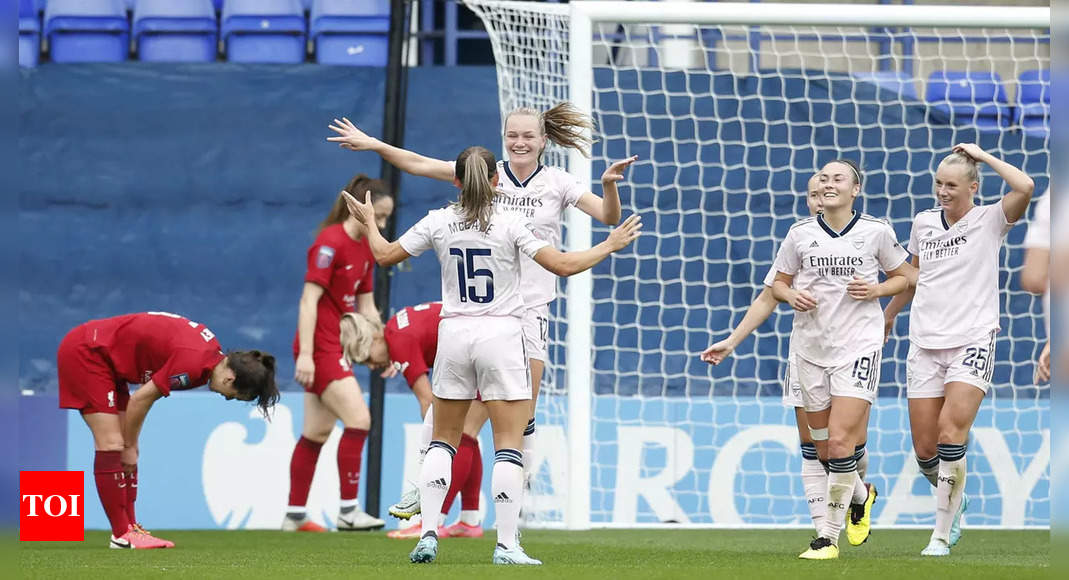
338	280
408	344
953	322
162	352
814	479
828	271
538	193
482	351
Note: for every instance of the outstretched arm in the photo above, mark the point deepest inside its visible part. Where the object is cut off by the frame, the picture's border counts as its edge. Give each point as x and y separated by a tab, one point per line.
1014	203
386	253
758	312
569	263
606	209
351	138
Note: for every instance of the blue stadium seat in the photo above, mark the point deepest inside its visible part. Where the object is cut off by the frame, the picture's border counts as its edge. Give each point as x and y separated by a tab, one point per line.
29	34
87	30
891	81
351	32
264	31
176	30
1033	102
973	98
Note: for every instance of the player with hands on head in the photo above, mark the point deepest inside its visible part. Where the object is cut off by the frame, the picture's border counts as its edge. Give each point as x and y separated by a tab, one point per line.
953	322
481	335
163	353
339	278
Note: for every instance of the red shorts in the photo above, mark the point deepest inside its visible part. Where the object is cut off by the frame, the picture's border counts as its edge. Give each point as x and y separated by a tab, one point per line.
330	367
86	380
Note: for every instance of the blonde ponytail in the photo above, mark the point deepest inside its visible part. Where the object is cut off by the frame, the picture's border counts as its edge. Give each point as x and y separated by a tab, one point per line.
357	334
475	167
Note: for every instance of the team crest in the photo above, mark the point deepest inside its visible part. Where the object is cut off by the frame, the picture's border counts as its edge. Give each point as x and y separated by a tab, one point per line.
858	243
324	257
962	225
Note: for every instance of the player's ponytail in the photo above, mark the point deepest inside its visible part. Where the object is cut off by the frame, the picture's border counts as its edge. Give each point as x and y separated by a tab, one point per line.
357	334
339	212
968	165
563	125
475	168
254	377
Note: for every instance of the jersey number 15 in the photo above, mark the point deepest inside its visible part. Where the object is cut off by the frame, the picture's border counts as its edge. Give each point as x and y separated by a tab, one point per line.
467	274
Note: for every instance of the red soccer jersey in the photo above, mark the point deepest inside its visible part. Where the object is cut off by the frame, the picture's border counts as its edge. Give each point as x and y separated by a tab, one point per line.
412	339
344	268
173	352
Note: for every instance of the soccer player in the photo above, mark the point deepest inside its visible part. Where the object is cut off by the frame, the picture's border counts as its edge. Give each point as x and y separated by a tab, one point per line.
1035	273
827	269
408	343
953	322
481	347
162	352
339	279
535	192
814	478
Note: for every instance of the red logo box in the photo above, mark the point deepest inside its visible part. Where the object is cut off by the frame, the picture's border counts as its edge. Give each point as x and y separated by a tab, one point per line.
51	506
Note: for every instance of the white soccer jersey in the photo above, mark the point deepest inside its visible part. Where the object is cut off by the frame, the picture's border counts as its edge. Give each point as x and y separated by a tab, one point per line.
541	200
480	271
822	262
957	291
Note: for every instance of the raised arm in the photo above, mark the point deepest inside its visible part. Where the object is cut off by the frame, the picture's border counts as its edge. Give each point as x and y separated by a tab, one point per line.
351	138
606	209
758	312
386	253
1014	203
569	263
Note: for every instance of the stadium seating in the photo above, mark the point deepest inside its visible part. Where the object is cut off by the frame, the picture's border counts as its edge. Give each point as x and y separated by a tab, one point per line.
350	32
29	34
1033	102
270	31
971	98
87	30
176	30
900	83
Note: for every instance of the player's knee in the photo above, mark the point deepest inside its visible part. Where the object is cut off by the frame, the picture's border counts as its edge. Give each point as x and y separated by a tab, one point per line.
840	446
110	442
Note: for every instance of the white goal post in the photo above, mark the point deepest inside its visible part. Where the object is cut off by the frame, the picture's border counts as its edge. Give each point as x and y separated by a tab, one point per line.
679	83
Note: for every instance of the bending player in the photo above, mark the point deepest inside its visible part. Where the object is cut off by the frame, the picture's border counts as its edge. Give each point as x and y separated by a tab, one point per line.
828	271
162	352
954	321
339	277
535	192
408	344
479	250
814	478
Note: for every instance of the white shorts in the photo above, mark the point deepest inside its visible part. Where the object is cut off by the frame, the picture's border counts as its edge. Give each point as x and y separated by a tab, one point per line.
792	389
858	379
536	332
928	370
481	355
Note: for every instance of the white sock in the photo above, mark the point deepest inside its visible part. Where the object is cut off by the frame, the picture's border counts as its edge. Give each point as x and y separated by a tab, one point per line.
949	490
507	488
930	469
815	482
528	448
425	433
470	517
434	481
862	457
842	479
861	492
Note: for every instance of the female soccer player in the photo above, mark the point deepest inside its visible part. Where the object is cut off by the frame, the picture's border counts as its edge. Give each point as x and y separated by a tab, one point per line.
953	322
1035	276
339	279
162	352
531	190
408	343
482	344
814	479
828	271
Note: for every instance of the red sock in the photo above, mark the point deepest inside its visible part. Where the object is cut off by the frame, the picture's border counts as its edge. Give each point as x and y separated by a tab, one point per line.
131	495
469	496
350	451
302	468
461	466
107	470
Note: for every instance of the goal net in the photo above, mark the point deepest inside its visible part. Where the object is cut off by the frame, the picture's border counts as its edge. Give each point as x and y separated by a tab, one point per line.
730	109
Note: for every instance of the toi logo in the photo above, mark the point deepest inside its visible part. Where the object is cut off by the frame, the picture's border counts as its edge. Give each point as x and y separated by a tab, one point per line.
51	506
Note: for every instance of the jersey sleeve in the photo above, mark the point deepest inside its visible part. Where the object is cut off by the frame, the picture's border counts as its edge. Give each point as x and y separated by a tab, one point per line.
419	238
995	216
321	262
367	283
914	246
571	189
186	368
1038	235
890	254
523	235
788	260
770	277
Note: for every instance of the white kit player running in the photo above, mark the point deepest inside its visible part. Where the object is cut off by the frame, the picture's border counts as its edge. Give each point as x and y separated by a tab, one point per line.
481	346
953	322
536	192
833	262
814	478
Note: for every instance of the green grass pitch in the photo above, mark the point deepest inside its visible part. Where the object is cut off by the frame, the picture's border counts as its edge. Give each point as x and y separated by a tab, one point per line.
599	554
